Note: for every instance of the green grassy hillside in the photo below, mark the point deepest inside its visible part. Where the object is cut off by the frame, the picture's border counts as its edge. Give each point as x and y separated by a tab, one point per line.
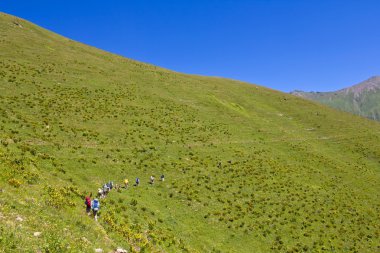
362	99
248	169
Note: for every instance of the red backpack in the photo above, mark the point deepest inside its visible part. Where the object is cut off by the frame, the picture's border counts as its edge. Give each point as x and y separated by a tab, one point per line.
88	201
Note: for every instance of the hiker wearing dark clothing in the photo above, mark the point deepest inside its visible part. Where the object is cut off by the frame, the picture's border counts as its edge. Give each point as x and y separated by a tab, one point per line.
95	206
137	181
109	185
87	202
162	177
106	189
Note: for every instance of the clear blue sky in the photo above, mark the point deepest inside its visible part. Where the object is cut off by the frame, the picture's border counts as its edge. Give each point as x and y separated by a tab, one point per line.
283	44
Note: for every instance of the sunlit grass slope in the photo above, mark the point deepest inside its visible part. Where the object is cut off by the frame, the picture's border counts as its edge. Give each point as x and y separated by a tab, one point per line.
248	169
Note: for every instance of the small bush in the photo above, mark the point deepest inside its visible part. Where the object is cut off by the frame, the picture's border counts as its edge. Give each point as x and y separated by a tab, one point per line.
14	182
133	202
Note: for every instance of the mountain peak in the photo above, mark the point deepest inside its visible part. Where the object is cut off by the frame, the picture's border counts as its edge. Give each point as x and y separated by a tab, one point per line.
362	98
370	84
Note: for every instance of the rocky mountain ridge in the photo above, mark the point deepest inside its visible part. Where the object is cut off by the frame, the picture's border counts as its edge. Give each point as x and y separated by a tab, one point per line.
362	99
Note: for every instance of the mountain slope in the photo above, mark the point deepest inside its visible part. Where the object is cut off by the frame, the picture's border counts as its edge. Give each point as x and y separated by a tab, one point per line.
247	169
362	99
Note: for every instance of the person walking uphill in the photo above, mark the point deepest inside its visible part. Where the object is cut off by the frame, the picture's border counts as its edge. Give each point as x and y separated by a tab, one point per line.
106	189
87	202
126	183
151	179
95	206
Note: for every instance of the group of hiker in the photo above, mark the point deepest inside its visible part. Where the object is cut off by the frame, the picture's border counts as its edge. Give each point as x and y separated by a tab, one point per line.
105	189
94	205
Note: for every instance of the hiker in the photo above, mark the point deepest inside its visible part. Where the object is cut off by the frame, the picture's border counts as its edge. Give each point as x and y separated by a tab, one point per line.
151	179
95	206
137	181
87	202
106	189
110	185
162	177
126	183
100	193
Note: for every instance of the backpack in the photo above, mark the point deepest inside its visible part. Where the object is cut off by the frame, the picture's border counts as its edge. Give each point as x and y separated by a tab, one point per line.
88	201
95	205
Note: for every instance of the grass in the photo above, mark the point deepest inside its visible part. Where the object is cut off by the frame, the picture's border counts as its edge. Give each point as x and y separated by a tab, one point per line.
247	169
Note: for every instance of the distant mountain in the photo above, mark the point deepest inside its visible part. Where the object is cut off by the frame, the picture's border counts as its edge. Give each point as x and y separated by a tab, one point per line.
362	99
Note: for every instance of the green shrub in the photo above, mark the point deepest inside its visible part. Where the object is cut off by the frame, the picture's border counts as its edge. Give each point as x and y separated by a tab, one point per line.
14	182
